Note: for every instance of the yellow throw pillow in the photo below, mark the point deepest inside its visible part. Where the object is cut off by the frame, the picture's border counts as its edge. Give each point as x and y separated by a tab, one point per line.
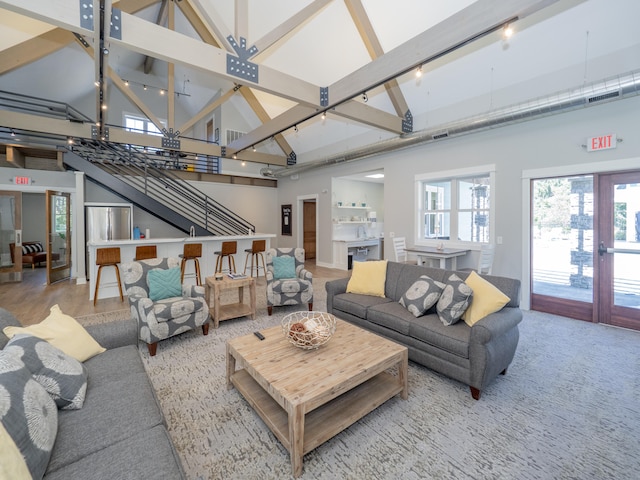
63	332
368	278
12	464
487	298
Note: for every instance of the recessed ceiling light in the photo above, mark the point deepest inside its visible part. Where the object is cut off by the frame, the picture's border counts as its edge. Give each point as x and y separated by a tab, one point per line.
375	175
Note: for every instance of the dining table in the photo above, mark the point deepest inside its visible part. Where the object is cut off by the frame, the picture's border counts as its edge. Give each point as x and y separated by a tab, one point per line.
423	253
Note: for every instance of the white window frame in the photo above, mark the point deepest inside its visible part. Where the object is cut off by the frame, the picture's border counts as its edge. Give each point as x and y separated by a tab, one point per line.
147	124
453	176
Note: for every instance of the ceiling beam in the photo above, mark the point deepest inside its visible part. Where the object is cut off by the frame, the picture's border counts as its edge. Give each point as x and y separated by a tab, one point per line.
53	40
242	19
195	19
211	18
371	42
161	18
206	110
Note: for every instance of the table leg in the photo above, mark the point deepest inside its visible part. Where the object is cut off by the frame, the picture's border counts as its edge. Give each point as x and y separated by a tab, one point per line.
296	438
216	306
252	299
231	368
241	294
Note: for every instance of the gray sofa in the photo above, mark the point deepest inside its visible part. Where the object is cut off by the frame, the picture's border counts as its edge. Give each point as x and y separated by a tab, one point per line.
472	355
120	430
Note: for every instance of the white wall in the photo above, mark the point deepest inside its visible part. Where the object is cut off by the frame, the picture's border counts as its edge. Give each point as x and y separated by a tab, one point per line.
545	142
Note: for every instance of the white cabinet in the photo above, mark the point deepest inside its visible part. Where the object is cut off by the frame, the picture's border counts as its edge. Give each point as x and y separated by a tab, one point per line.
359	250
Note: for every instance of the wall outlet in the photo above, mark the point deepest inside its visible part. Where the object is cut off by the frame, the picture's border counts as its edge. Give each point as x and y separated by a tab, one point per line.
499	240
392	234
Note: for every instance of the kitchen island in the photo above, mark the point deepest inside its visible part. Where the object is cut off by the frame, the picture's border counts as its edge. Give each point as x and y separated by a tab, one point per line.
167	247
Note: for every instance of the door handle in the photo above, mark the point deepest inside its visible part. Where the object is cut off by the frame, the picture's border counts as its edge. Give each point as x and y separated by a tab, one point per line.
602	249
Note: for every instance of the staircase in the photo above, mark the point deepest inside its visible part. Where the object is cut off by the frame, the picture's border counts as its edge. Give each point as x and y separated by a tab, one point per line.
144	179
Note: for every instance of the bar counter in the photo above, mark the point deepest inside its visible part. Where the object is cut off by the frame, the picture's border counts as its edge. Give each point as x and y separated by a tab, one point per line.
167	247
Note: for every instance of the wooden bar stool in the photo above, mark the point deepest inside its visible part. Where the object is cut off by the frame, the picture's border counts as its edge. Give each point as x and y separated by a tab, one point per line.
107	257
228	250
191	251
144	252
257	249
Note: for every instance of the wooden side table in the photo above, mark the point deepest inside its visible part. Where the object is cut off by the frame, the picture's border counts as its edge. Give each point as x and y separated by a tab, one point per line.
220	312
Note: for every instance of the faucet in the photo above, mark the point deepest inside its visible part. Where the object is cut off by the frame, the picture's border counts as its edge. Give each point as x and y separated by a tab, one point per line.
362	232
192	231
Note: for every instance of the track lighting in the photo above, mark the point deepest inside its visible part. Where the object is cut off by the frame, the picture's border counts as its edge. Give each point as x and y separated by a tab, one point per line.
253	148
144	87
295	128
365	98
507	32
70	140
243	163
162	91
324	115
419	71
126	83
234	156
13	133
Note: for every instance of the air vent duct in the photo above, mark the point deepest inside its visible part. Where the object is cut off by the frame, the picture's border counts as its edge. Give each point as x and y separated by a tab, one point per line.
610	89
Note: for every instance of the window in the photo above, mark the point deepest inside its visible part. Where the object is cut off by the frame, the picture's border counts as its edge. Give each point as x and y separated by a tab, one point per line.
60	214
137	124
455	205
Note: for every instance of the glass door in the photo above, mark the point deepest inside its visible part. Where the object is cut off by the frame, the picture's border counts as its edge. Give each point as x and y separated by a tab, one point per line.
619	249
59	236
10	237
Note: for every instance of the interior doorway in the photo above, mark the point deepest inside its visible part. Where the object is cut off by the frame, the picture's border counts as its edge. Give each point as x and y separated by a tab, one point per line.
309	233
585	247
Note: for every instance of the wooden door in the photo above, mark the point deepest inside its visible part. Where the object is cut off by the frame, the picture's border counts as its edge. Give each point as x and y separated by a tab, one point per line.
309	229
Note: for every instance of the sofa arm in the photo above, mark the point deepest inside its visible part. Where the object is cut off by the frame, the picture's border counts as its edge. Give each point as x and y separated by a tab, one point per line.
115	334
495	325
335	287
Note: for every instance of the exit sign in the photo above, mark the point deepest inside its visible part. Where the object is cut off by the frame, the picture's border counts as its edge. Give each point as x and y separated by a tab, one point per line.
22	180
604	142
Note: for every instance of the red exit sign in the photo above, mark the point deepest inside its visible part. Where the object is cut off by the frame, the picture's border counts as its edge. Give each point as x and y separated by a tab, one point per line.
22	180
605	142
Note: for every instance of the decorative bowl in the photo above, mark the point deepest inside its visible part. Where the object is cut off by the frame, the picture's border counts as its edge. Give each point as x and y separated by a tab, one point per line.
308	330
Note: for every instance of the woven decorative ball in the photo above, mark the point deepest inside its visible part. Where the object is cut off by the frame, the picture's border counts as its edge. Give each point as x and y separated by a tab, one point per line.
308	329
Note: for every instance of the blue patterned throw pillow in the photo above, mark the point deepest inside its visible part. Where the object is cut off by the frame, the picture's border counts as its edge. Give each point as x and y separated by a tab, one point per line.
164	284
62	376
284	267
27	413
421	295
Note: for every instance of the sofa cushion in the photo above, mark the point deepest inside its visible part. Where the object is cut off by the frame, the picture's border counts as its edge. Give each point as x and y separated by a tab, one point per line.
421	295
356	304
391	315
145	454
62	376
294	285
451	338
487	299
113	365
164	283
63	332
454	300
112	412
27	412
368	278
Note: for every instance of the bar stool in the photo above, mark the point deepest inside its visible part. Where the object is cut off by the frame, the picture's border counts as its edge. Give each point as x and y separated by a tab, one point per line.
107	257
228	250
191	251
257	247
144	252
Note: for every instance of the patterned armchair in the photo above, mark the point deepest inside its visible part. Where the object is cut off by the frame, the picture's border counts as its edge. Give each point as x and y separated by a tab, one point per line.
295	290
167	317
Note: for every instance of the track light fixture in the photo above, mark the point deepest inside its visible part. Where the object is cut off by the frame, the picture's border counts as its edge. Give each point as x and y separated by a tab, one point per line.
144	87
419	71
365	98
253	148
324	115
234	156
295	128
13	133
507	32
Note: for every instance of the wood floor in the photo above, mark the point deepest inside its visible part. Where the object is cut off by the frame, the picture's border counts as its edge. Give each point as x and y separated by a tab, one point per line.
31	299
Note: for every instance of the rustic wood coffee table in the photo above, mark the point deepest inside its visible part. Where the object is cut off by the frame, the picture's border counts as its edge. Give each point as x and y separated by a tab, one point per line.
307	396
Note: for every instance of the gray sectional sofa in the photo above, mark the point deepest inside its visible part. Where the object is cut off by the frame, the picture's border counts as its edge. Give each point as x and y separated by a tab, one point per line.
472	355
120	430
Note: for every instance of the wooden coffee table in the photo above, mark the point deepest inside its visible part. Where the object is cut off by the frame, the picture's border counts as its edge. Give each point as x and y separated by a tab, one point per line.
219	311
307	396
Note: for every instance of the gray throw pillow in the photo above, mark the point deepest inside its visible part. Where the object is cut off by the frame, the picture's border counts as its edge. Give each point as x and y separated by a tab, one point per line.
422	295
455	299
62	376
27	413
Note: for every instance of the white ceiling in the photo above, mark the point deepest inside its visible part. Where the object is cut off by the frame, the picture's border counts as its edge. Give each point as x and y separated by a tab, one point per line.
569	44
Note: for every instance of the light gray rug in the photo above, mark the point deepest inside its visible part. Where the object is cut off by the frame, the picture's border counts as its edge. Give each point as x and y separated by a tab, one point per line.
568	409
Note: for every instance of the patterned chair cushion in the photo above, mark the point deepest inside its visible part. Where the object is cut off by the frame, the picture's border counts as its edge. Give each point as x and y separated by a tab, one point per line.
291	286
174	308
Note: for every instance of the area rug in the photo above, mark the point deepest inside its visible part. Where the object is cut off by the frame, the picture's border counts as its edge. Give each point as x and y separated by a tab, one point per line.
567	408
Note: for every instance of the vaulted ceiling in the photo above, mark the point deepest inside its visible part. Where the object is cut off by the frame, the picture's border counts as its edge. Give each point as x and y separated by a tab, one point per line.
281	64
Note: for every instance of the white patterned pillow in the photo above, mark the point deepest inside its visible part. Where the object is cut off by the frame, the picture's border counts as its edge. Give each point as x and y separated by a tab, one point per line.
32	248
421	296
62	376
27	413
455	299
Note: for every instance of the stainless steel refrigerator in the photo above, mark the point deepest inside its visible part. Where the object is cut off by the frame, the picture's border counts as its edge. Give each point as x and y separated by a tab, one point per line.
113	221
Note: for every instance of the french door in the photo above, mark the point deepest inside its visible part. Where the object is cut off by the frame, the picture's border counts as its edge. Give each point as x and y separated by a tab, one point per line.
585	255
10	236
59	236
